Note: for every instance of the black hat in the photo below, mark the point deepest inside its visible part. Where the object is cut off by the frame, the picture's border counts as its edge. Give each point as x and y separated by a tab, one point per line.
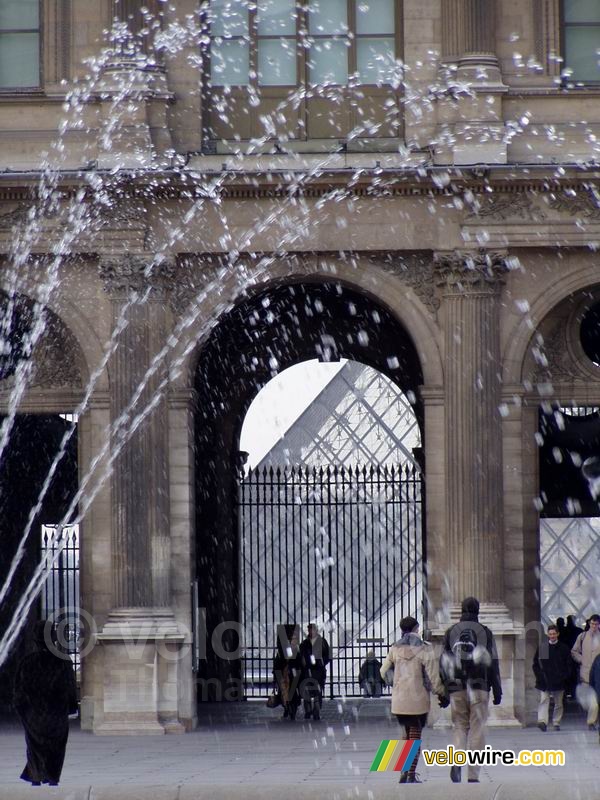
470	605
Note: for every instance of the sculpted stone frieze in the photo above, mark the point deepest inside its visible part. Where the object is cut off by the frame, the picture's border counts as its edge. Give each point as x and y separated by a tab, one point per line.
135	273
416	271
583	203
477	270
504	207
14	215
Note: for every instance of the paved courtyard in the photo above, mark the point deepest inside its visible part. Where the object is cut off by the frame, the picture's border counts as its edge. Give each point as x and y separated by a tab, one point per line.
246	746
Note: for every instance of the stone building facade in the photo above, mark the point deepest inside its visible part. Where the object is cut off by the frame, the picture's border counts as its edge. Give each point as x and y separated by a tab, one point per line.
455	198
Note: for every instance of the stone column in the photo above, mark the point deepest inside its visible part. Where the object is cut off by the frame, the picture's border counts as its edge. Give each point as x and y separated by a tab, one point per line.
141	624
469	36
474	519
470	122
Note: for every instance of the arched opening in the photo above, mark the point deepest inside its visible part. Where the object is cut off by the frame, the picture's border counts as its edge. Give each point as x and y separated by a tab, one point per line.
262	336
36	488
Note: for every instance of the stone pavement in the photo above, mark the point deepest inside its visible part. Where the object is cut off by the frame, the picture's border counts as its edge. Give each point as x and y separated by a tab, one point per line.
247	751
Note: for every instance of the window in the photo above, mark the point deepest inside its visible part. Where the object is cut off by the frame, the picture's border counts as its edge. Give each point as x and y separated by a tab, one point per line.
19	44
581	32
292	70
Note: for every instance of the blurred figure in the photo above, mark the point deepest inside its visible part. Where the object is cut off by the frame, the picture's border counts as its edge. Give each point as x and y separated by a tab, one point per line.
552	670
44	696
315	658
572	631
595	677
584	651
415	670
287	669
469	668
369	676
560	627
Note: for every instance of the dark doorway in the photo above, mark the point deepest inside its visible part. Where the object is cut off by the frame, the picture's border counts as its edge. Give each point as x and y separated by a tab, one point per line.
24	466
260	337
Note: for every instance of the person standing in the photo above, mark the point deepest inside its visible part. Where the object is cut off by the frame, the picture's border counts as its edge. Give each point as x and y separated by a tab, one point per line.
44	696
413	662
314	651
584	651
552	670
469	669
369	676
287	669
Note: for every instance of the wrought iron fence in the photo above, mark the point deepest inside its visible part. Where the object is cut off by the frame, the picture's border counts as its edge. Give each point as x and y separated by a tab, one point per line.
339	546
60	594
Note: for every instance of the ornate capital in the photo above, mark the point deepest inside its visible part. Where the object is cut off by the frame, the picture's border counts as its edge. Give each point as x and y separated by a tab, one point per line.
124	274
459	272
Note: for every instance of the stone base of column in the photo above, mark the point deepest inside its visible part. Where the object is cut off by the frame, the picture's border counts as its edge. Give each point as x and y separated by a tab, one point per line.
498	619
141	649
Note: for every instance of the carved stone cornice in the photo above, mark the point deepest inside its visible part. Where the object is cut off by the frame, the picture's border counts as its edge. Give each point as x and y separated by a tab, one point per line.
460	272
127	273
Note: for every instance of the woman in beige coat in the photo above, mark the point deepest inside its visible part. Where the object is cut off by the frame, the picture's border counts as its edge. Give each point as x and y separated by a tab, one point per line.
416	674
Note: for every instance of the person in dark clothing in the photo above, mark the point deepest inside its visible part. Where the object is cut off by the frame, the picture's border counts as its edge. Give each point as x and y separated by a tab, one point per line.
287	669
44	696
315	658
572	631
369	676
552	670
560	626
469	670
595	677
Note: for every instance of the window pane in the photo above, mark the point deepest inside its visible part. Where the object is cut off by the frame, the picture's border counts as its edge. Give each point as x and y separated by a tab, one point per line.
276	17
328	61
582	11
19	60
229	17
19	13
581	52
375	59
375	16
328	16
277	62
229	62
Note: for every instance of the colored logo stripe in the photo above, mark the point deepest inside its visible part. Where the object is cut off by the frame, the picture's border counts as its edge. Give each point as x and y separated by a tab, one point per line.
395	755
405	761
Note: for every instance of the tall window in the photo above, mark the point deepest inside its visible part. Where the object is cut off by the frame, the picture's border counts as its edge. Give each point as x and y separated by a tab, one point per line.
581	31
19	44
341	54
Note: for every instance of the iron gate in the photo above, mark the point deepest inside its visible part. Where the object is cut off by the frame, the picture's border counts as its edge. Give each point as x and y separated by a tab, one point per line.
341	547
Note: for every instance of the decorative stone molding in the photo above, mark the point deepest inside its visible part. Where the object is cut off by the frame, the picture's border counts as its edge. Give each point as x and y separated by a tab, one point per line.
15	216
416	271
133	273
480	270
581	203
556	362
500	206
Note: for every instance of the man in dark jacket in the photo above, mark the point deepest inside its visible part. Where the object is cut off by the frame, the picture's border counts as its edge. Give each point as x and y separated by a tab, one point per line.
552	668
314	651
44	696
469	669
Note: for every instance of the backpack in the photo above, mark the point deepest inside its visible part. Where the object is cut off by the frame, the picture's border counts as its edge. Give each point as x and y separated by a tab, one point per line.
463	651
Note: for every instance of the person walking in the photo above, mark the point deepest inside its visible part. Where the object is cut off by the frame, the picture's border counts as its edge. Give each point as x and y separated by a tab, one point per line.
415	670
552	670
314	651
44	696
287	669
469	669
369	676
584	651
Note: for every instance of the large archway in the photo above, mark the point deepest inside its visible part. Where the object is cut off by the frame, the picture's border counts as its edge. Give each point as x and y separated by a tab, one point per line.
265	333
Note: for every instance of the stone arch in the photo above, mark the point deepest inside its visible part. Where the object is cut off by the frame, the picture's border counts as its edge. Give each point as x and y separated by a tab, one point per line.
364	274
520	338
